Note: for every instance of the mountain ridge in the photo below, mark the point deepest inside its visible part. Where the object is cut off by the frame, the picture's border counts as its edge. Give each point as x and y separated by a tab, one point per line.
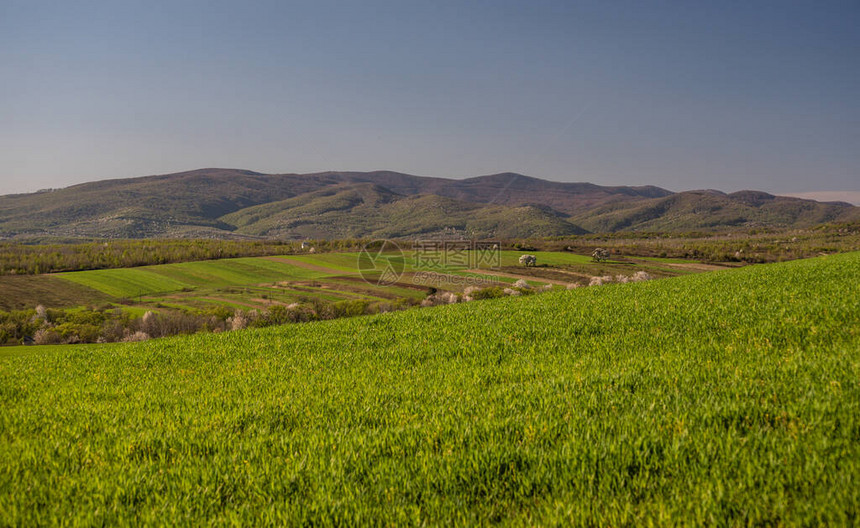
209	202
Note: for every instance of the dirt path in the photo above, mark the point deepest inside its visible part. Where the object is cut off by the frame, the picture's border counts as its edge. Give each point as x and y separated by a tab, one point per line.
524	277
305	265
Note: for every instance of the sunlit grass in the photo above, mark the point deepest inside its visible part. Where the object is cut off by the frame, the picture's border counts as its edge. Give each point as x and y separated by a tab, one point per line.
724	398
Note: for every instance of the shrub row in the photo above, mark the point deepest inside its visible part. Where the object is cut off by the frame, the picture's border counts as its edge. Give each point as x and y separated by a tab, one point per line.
106	324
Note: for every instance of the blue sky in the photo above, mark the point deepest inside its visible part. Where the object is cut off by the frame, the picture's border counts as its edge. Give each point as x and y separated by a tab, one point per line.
684	95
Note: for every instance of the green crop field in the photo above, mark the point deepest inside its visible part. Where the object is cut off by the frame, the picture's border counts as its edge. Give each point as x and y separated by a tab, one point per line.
26	291
728	398
242	282
132	282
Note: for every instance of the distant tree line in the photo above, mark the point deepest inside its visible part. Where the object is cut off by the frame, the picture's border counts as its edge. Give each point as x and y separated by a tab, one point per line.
32	259
744	247
751	246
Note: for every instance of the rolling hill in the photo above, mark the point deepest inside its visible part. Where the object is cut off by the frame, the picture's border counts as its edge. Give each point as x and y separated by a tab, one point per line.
726	398
704	210
224	203
365	209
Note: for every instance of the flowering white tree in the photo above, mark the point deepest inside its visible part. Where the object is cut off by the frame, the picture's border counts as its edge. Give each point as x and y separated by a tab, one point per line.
522	284
600	254
599	281
640	276
528	260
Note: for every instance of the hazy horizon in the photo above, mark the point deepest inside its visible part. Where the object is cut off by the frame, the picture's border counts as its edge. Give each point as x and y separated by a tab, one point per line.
680	96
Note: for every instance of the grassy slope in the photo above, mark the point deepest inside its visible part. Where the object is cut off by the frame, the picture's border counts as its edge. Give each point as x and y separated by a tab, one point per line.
731	395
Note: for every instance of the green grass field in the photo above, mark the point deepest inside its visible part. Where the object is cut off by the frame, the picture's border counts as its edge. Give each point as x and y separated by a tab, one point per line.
148	280
236	283
243	282
729	398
